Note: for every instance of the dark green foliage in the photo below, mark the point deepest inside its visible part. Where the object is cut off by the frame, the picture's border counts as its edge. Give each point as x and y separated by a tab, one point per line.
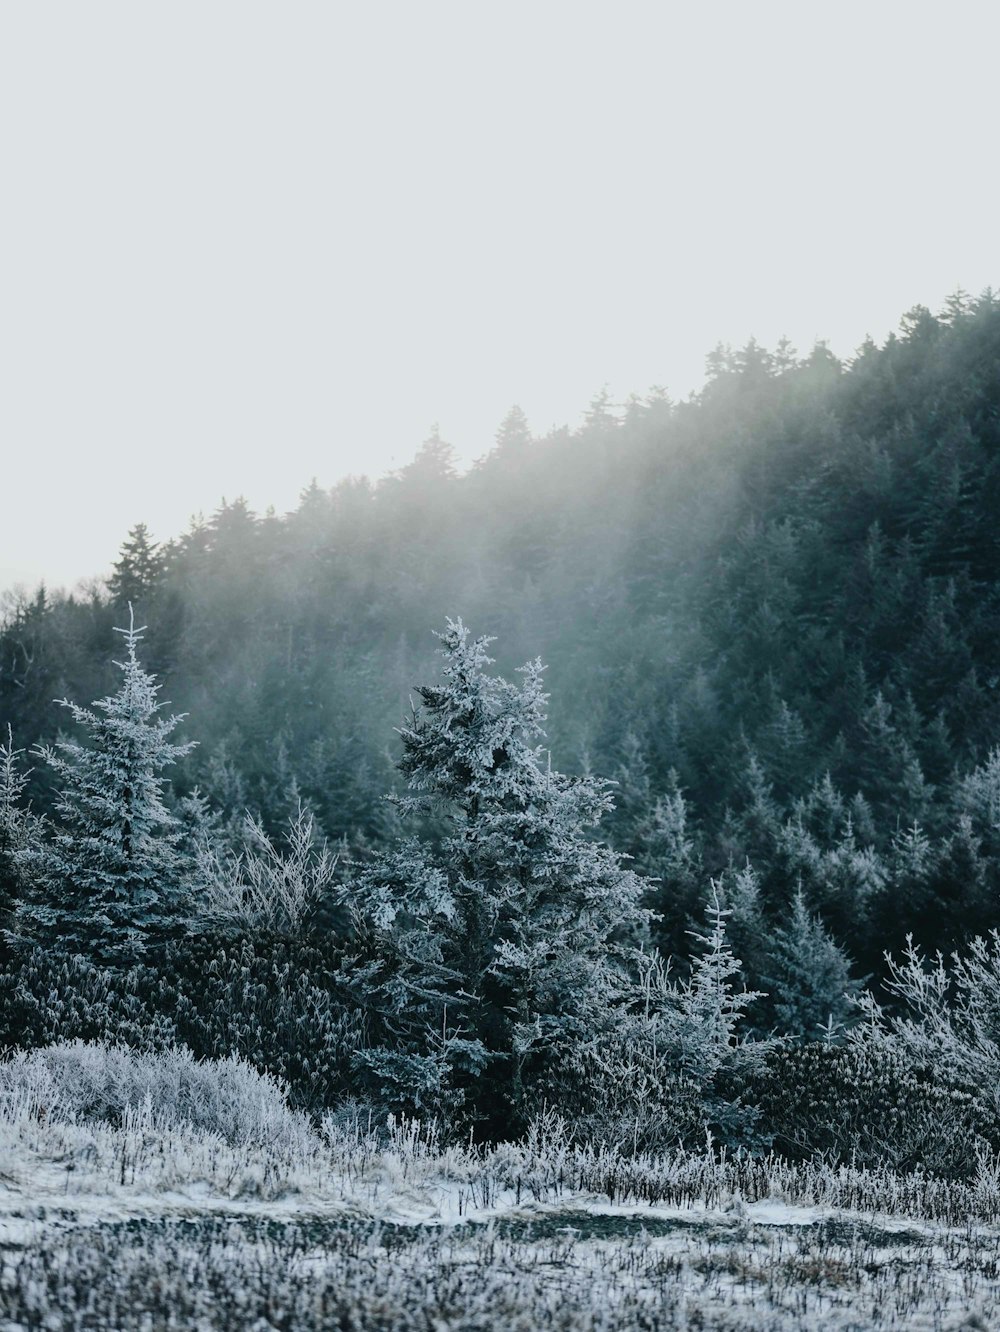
283	1007
807	978
47	998
139	570
871	1107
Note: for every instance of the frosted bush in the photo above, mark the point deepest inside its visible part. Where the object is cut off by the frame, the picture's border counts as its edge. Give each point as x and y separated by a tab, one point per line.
947	1017
674	1067
263	887
83	1081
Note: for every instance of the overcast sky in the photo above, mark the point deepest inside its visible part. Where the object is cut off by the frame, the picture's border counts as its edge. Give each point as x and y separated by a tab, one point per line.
245	244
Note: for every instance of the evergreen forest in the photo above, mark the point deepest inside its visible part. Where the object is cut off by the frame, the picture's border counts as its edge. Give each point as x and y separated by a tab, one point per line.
647	772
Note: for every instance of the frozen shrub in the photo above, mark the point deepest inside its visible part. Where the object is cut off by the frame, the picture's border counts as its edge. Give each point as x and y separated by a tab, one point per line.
89	1081
869	1106
918	1084
262	887
277	1003
48	998
946	1018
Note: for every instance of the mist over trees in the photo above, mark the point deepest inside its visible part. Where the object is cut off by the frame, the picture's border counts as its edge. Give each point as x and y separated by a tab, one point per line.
687	878
769	613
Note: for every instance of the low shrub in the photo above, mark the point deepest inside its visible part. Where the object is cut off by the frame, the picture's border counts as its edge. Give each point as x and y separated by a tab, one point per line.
272	1002
869	1105
47	998
87	1081
276	1003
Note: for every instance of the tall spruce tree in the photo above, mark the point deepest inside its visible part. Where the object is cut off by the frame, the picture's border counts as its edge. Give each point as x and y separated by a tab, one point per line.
110	873
138	569
516	922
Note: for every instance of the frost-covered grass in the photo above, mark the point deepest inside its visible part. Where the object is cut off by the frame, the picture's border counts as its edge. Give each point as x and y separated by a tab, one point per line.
149	1192
253	1275
568	1272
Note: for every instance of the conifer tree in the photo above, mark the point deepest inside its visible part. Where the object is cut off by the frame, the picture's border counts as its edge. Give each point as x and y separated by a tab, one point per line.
747	928
138	570
19	834
666	851
513	436
809	977
111	870
710	1005
518	924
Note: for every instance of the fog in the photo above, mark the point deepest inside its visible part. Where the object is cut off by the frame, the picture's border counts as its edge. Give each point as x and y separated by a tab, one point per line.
244	244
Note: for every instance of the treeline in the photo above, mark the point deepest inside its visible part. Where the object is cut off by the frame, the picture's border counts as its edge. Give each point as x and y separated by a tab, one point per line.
770	611
492	966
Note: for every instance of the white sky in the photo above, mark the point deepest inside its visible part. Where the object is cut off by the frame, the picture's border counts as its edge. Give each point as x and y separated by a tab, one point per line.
242	244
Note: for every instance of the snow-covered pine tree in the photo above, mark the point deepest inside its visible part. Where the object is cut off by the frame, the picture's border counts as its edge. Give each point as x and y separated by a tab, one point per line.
713	1047
518	923
711	1007
19	835
808	977
111	870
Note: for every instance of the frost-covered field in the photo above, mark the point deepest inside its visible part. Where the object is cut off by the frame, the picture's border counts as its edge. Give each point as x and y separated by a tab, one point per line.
149	1220
566	1270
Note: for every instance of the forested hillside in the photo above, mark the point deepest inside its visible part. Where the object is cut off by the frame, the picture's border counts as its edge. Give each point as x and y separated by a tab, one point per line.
769	612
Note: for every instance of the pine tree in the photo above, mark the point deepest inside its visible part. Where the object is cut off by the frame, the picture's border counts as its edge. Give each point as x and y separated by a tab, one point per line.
434	463
747	928
709	1002
667	852
712	1046
518	924
112	868
809	977
138	570
19	836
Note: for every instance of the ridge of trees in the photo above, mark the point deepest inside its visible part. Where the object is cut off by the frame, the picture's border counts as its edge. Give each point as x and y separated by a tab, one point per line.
771	613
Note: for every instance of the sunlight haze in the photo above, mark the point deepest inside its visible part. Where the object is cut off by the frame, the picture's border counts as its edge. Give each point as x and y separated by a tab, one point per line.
248	244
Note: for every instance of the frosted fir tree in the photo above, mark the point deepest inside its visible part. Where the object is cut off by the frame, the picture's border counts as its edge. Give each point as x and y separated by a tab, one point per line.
20	832
518	924
112	868
809	978
676	1065
710	1005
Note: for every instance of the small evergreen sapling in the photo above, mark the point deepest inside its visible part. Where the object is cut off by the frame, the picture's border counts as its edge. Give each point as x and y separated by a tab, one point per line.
112	868
809	978
710	1005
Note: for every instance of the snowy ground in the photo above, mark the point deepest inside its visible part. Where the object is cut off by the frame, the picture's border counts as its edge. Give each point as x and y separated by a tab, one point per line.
145	1226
